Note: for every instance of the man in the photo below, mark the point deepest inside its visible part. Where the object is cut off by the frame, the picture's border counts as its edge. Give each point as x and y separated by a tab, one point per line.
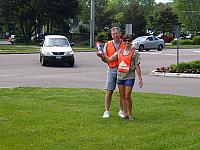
109	49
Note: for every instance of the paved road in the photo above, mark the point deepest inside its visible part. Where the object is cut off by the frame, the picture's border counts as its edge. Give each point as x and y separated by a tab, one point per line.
4	42
90	72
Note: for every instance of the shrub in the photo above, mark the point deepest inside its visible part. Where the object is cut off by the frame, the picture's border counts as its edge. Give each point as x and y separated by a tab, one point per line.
102	36
182	42
189	67
196	40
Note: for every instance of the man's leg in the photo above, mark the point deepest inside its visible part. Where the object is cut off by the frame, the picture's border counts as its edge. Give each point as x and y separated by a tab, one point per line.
110	87
108	98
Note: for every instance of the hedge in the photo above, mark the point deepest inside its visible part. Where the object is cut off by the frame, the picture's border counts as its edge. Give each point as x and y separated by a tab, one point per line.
195	41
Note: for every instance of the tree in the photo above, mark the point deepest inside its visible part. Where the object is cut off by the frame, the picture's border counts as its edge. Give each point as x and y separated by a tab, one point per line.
189	14
30	15
135	14
163	19
149	6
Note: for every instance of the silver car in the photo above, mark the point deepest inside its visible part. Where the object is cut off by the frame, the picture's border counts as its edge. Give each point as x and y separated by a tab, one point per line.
148	42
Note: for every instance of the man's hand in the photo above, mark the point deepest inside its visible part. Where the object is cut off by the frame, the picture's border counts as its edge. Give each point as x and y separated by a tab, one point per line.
99	53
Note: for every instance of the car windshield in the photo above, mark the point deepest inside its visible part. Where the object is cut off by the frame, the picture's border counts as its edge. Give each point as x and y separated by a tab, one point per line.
57	42
140	38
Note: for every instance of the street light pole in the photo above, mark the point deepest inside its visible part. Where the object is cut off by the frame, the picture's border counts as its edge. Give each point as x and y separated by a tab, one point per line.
92	22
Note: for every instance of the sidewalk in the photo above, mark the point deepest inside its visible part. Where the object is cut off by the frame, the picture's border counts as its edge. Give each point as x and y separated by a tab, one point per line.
181	75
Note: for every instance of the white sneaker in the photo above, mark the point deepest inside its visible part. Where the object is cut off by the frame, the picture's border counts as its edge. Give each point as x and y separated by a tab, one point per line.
121	114
106	114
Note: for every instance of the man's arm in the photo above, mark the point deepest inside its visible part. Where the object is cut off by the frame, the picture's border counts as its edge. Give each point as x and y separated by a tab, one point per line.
102	54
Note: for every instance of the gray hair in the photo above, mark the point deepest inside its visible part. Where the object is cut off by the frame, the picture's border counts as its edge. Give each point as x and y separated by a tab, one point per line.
115	28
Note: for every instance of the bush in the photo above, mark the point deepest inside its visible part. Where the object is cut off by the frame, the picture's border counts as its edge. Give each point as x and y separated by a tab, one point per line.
189	67
102	36
196	40
182	42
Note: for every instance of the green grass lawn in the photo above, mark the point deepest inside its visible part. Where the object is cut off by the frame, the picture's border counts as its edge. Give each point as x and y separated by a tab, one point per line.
61	118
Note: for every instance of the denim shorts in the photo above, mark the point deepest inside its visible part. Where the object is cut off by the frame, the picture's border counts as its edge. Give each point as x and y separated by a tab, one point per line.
111	80
126	82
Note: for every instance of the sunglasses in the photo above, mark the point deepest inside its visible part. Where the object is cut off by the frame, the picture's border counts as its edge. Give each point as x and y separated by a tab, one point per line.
127	40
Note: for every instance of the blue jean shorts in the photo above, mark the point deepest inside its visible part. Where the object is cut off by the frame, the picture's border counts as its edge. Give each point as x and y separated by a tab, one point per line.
111	80
126	82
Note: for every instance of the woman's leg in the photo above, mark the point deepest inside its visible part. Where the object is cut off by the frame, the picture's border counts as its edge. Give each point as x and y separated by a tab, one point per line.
128	91
122	97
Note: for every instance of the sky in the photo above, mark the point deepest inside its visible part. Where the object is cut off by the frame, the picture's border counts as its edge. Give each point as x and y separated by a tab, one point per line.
163	1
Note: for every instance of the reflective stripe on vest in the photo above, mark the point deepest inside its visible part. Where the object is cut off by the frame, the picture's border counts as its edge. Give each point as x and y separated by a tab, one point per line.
111	50
125	61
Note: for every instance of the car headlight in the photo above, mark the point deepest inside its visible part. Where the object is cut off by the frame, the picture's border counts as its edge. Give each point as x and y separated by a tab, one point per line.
69	53
46	53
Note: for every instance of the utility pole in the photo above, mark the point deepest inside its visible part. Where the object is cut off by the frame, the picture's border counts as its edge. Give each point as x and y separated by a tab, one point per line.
92	22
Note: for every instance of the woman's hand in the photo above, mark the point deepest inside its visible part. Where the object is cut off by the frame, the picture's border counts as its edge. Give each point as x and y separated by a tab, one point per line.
140	82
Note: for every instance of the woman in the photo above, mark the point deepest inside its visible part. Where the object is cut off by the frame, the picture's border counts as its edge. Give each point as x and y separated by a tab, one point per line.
129	61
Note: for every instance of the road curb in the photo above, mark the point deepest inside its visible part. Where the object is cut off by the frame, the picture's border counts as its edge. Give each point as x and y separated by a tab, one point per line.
180	75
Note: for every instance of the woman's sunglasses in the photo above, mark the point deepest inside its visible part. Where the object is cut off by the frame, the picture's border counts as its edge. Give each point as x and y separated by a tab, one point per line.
127	40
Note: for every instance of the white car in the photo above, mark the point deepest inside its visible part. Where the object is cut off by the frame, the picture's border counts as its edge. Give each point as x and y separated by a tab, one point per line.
148	42
56	48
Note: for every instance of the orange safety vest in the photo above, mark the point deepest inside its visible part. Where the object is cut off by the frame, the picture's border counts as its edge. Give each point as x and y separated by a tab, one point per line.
125	61
111	50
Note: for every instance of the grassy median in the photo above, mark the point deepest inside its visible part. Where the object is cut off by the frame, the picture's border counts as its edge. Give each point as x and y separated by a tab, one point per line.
35	49
62	118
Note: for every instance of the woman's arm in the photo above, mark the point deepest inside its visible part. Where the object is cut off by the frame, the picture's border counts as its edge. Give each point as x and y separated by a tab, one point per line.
113	57
138	70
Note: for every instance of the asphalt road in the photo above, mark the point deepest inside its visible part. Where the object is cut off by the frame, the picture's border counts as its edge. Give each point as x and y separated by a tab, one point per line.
89	72
4	42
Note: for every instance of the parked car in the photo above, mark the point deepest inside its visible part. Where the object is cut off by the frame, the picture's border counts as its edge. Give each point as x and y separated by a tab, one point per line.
185	36
166	38
56	48
148	42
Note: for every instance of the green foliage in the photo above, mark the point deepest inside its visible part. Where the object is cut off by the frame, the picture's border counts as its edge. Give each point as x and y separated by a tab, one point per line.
102	36
84	29
62	118
182	42
188	12
134	13
163	19
30	16
196	40
186	66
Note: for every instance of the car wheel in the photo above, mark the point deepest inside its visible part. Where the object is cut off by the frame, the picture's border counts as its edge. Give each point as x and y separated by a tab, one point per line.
141	48
71	61
42	60
160	47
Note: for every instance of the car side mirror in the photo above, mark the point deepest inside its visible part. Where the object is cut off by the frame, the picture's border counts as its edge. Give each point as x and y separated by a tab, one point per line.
72	44
40	44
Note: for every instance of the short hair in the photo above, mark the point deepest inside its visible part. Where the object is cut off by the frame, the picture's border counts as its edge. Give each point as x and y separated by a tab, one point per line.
115	28
127	37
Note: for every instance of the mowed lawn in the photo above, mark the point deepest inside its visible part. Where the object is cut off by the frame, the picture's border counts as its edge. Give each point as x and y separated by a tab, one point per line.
62	119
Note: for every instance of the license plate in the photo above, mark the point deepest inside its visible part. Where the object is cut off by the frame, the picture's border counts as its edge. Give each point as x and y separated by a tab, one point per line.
58	57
